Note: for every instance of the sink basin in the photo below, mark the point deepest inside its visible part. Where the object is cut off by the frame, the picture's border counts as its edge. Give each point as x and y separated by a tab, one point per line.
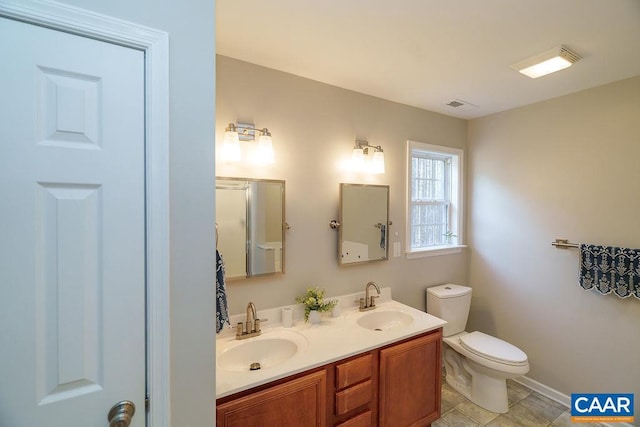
385	320
262	352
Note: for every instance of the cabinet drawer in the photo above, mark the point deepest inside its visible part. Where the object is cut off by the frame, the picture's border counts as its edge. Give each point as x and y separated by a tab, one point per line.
353	397
353	371
362	420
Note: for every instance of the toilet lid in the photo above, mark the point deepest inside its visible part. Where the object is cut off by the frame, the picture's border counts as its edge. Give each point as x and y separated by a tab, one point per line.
493	348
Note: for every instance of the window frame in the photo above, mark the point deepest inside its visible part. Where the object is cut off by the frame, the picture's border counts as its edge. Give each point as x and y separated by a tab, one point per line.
456	207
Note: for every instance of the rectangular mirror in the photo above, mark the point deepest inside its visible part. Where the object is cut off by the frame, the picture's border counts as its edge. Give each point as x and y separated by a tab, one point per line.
364	223
250	224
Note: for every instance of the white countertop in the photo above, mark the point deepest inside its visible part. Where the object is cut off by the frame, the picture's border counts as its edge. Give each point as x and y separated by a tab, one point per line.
333	339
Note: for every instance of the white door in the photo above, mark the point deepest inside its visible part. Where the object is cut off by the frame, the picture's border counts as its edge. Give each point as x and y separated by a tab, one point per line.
72	228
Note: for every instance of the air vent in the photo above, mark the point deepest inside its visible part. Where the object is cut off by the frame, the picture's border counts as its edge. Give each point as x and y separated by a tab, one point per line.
461	104
568	55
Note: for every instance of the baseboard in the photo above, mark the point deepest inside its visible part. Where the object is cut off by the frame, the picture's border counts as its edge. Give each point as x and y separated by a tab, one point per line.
555	395
545	390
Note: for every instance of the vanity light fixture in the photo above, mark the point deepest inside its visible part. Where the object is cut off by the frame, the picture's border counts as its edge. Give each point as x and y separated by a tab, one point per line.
262	152
547	62
367	158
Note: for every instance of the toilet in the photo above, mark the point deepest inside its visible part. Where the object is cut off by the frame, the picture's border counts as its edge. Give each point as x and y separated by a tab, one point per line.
477	365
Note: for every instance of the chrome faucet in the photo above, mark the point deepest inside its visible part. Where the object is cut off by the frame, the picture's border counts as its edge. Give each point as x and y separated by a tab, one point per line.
369	302
251	327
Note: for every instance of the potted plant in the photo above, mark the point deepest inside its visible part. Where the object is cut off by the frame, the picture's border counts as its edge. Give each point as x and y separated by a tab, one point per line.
314	302
449	236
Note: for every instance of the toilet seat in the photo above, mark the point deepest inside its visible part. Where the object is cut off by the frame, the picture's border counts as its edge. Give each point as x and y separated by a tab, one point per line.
493	348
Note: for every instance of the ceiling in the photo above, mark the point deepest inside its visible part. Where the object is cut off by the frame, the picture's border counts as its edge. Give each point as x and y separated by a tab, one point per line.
427	53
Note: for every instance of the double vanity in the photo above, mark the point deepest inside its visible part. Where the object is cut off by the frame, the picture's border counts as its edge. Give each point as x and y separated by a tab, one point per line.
380	367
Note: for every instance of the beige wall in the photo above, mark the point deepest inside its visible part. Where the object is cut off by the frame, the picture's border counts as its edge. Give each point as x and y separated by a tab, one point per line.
314	128
565	168
191	28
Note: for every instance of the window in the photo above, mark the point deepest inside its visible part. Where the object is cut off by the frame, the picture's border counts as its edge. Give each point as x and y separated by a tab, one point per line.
434	199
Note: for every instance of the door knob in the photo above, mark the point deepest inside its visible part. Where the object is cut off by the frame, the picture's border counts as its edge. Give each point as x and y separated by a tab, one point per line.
121	413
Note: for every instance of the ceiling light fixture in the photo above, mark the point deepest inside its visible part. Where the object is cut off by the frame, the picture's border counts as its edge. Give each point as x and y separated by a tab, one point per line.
548	62
262	152
367	158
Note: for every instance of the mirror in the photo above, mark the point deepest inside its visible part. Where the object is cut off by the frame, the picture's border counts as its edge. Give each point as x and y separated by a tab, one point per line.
250	226
364	223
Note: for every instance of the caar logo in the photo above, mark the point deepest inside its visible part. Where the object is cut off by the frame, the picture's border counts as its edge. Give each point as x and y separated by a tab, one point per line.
587	408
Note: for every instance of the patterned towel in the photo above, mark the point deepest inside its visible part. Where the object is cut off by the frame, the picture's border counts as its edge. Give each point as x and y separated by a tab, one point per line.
609	269
222	313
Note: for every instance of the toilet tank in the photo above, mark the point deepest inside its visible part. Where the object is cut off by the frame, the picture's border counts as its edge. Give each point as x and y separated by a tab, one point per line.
451	303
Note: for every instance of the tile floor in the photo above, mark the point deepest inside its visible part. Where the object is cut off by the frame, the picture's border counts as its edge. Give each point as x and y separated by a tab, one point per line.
526	408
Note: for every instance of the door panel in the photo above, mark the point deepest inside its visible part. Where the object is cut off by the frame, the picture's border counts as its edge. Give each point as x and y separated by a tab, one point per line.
68	325
72	221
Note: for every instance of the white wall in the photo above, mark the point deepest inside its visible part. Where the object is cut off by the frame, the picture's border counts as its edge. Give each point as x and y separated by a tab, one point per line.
565	168
314	128
191	28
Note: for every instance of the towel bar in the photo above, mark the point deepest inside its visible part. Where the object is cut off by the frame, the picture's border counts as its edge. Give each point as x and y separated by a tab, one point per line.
564	244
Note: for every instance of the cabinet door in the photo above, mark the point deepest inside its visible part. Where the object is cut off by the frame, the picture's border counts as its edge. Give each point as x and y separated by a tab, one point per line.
410	382
299	402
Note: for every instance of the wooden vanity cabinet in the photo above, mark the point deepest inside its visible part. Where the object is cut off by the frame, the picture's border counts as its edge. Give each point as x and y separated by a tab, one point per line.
410	380
397	385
